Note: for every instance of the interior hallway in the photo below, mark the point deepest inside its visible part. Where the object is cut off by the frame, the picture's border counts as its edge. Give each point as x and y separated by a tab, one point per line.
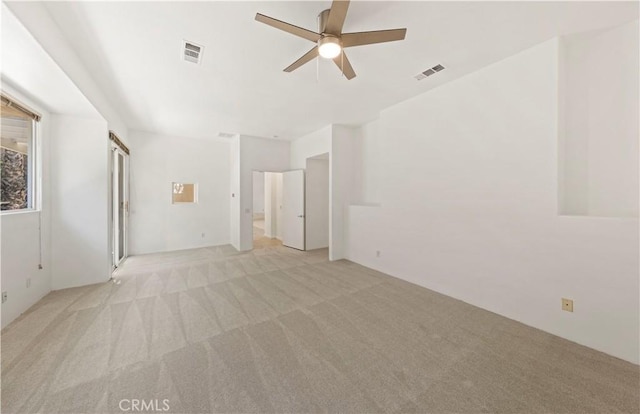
259	239
279	330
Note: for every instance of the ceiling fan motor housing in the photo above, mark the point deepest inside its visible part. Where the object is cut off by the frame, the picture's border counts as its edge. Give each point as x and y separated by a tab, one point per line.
322	20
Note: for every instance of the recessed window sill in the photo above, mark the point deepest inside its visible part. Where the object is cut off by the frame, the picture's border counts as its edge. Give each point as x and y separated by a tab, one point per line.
18	212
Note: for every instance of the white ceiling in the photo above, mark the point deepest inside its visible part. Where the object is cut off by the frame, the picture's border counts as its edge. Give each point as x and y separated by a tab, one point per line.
133	49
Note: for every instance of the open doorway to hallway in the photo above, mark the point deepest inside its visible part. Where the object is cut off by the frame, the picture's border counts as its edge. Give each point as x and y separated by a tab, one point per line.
291	208
267	209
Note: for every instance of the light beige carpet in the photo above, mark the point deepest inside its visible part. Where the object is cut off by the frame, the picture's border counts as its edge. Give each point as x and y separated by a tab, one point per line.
283	331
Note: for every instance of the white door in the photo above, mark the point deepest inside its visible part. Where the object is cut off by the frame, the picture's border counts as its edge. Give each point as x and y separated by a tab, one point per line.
293	209
120	207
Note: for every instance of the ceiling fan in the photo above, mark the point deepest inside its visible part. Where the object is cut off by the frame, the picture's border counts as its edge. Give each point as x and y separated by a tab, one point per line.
330	41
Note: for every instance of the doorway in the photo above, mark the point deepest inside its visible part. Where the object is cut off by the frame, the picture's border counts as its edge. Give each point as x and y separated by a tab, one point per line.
120	204
267	209
291	208
258	204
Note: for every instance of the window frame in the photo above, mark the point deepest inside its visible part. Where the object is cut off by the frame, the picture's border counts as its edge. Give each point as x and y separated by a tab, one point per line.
34	171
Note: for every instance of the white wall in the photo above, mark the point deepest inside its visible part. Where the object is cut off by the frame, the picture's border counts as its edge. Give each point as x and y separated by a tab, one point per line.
79	201
258	193
468	198
157	225
368	146
317	204
74	215
599	122
310	145
74	166
343	191
253	154
21	242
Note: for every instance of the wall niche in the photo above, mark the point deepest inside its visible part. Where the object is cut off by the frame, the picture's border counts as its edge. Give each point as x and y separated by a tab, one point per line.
598	123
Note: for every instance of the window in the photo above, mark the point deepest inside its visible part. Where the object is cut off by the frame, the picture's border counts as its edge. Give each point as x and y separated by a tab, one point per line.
17	156
183	193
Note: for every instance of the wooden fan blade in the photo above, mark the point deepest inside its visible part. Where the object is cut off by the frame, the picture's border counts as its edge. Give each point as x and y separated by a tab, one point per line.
304	59
368	38
344	65
289	28
337	14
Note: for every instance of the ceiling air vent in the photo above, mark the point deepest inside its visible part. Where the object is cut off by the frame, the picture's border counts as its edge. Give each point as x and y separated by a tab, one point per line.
431	71
191	52
225	135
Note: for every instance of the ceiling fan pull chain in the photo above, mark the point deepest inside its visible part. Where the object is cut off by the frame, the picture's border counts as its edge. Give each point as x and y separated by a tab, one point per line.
342	61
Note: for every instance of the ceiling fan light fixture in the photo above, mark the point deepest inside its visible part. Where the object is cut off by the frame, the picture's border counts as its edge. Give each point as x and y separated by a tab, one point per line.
329	40
329	47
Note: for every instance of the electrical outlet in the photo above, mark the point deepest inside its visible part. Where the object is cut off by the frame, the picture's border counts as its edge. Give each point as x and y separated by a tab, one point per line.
28	282
4	296
377	253
567	305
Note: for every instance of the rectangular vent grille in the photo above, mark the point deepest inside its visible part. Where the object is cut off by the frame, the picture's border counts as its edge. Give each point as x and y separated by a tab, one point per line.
191	52
428	72
225	135
431	71
192	47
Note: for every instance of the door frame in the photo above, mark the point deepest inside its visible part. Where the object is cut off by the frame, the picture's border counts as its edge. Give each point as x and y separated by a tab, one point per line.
116	152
